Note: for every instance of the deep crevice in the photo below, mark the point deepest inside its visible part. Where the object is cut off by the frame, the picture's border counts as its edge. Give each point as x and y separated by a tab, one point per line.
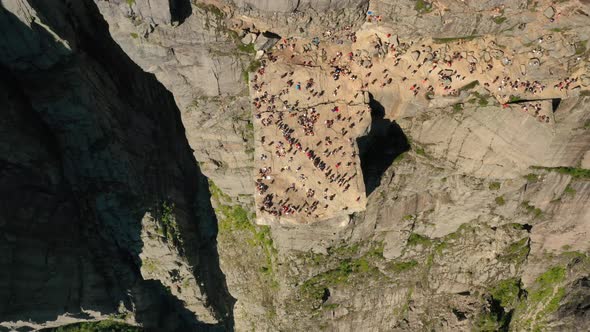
379	148
554	102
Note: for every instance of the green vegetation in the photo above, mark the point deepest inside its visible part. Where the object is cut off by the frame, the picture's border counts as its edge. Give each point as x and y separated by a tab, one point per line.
499	19
247	48
576	173
399	267
542	300
130	2
500	200
490	322
423	7
408	217
507	292
545	284
453	39
469	86
420	151
417	239
514	99
314	288
167	226
208	8
346	250
252	67
516	252
150	265
504	297
532	209
134	35
458	107
99	326
532	177
494	185
235	219
581	47
569	190
399	158
480	99
516	226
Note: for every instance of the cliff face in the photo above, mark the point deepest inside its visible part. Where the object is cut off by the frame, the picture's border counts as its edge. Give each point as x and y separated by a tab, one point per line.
105	211
114	108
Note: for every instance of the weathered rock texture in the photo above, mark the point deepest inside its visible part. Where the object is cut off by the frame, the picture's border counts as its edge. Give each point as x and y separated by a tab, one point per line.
105	213
104	210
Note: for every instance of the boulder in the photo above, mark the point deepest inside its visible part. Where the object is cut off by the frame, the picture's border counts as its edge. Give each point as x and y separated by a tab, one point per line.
266	41
249	38
549	12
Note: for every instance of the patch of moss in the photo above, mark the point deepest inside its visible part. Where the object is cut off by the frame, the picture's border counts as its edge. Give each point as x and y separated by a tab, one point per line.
453	39
208	8
399	267
134	35
315	288
500	200
507	292
532	177
420	151
249	48
417	239
581	47
499	19
542	300
458	107
399	158
514	99
575	172
423	7
130	2
234	218
569	190
252	67
494	185
531	209
149	265
346	250
481	100
469	86
516	252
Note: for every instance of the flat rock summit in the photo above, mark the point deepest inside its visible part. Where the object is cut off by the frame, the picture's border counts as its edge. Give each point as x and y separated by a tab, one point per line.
282	165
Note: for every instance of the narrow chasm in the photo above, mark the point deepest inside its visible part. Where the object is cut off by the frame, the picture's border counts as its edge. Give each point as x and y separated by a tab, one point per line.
379	148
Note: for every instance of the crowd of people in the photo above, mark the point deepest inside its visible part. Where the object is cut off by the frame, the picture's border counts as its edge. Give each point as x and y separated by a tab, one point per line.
307	137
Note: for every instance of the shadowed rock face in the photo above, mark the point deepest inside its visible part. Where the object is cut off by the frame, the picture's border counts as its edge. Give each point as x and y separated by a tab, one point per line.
93	147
